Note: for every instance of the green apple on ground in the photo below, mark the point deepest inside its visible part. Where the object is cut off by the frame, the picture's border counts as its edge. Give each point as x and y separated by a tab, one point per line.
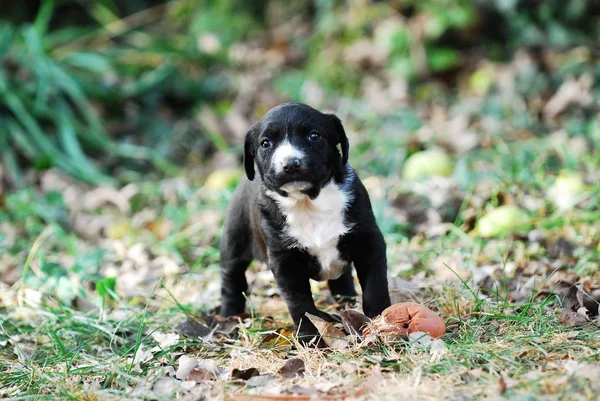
428	163
502	221
567	189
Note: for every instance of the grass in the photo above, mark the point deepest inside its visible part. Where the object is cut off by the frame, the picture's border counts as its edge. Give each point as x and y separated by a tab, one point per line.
94	281
86	288
64	338
68	354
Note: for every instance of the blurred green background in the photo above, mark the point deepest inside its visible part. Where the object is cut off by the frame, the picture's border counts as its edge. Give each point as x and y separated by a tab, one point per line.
99	89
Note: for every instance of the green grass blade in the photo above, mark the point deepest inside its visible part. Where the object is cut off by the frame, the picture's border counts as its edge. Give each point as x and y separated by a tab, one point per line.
144	153
37	139
44	16
39	63
149	80
8	156
7	35
71	145
72	88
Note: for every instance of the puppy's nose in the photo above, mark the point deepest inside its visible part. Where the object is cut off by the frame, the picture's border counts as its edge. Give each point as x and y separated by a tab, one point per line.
291	165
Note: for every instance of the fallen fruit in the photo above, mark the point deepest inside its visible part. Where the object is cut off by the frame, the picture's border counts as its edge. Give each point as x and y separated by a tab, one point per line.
567	189
427	163
399	320
503	220
221	179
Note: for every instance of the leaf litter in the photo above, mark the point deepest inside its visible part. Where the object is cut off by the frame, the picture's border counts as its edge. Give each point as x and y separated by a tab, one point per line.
491	292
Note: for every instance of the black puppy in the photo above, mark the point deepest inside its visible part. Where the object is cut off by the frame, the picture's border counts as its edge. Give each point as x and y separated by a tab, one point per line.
308	216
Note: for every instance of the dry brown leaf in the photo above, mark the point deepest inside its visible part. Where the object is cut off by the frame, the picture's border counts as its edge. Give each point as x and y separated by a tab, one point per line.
292	368
354	322
188	364
165	340
369	385
577	298
569	318
244	374
200	375
589	371
191	329
332	336
278	338
100	196
571	92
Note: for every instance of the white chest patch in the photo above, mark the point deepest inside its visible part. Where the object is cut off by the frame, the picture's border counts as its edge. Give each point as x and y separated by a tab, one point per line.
317	224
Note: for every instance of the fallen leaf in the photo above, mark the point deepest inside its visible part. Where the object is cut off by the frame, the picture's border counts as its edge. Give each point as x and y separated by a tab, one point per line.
354	322
420	339
244	374
278	338
292	368
576	298
502	385
571	92
97	197
331	335
569	318
166	386
160	228
438	349
227	325
296	389
165	340
186	365
299	395
325	387
586	370
259	381
200	374
192	329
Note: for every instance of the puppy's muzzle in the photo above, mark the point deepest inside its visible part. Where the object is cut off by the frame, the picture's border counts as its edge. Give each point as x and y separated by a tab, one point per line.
291	165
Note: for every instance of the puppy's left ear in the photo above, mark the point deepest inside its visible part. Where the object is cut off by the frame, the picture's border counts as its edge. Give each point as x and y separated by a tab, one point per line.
249	152
342	139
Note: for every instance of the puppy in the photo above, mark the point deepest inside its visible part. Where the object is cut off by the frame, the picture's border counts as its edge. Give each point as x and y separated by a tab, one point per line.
306	214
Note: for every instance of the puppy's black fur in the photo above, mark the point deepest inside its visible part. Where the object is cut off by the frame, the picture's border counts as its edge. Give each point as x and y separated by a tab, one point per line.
257	226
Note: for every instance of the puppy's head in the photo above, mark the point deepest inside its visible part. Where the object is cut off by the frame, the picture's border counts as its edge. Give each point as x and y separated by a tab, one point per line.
295	149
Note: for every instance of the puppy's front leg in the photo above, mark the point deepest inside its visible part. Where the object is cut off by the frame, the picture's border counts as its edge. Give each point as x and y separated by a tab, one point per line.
290	268
370	262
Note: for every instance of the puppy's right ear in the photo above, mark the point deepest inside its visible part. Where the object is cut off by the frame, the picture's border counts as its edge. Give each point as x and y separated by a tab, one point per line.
249	152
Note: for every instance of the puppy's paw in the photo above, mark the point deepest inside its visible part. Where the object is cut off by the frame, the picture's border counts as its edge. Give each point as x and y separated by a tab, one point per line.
229	310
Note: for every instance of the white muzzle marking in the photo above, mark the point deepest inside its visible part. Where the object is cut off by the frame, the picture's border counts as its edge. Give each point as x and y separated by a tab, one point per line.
284	152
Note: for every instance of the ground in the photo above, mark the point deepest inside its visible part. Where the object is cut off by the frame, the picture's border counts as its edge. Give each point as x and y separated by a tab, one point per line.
93	310
112	292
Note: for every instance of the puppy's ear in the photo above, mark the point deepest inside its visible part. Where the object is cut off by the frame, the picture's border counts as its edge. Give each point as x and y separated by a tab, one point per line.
342	139
249	152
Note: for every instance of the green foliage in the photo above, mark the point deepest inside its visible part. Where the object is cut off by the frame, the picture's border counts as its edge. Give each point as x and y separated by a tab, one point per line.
106	288
57	80
84	97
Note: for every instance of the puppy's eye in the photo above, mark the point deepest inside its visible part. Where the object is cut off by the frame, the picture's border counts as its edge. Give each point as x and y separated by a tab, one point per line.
266	144
314	136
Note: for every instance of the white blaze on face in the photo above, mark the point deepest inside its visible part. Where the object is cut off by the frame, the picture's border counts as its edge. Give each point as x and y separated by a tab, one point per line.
284	152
